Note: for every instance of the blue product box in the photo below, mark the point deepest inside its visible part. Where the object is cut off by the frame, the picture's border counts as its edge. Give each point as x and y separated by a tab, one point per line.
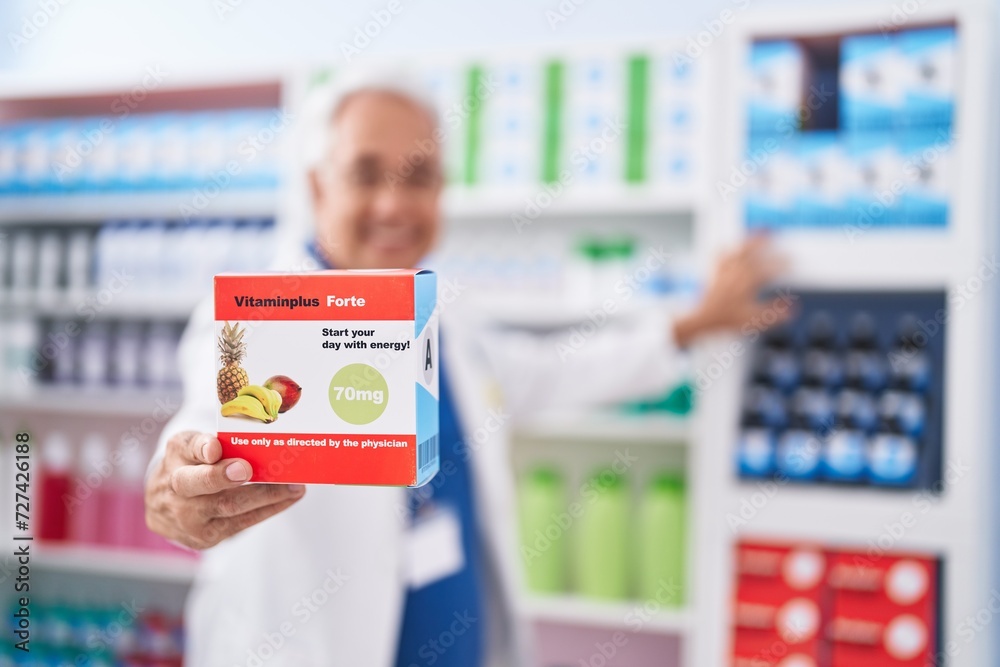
8	158
771	177
875	198
68	156
844	456
755	452
892	459
172	140
254	145
823	200
777	87
798	454
35	175
135	165
930	58
103	163
926	168
872	82
209	134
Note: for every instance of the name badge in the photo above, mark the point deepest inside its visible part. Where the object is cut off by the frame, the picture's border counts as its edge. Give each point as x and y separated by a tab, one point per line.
433	548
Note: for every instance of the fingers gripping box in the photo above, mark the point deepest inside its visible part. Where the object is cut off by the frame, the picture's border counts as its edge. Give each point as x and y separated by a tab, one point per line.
329	377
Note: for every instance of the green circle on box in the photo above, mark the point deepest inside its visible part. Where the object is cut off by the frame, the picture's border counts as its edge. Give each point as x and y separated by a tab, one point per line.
358	394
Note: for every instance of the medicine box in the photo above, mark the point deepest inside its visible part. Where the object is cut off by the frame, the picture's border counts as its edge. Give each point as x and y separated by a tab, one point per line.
329	377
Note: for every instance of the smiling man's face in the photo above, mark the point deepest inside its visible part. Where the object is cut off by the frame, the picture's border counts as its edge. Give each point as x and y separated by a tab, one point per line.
376	195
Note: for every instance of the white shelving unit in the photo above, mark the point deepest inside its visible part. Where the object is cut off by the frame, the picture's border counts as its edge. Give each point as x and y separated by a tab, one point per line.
605	426
72	209
959	520
150	307
80	402
140	565
959	526
97	574
582	441
625	616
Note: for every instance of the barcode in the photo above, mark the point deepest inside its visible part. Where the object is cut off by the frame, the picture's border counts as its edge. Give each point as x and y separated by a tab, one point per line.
427	451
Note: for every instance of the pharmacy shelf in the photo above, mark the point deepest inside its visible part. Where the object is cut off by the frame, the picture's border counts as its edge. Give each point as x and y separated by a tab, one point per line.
157	566
464	204
604	425
625	615
75	208
83	401
94	305
854	516
541	312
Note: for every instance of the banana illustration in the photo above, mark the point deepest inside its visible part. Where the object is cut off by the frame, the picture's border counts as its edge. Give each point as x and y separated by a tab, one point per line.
270	399
248	406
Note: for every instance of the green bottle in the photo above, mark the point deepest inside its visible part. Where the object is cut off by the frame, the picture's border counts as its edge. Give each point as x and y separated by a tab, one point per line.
601	538
541	501
660	540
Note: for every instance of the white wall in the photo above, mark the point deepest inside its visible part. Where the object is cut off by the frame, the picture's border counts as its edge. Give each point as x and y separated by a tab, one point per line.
92	36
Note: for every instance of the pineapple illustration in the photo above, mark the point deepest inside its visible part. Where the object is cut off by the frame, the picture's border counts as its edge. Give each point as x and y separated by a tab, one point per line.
232	349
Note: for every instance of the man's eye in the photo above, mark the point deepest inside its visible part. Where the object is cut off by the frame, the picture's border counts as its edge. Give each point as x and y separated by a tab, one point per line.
421	179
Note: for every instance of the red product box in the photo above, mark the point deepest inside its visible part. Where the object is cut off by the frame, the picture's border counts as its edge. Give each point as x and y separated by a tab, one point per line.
780	593
766	648
329	377
785	571
884	610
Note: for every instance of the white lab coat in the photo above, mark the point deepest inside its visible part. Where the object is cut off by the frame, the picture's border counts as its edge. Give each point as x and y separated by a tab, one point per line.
321	584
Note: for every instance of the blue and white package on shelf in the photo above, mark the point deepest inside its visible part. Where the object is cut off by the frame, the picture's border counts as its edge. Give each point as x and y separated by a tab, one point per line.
930	58
927	158
773	178
140	152
134	149
829	179
32	145
777	87
875	200
873	77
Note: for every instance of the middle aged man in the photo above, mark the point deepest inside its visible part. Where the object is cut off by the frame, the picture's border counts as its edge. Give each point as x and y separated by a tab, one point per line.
325	582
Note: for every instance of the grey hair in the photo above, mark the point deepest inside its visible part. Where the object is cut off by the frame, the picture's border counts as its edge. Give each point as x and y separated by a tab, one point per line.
325	101
314	135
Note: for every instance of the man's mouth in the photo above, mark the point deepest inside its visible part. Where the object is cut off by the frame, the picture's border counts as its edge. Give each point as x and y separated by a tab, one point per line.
391	238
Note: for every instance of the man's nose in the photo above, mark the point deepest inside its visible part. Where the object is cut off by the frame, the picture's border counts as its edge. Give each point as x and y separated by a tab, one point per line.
390	200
